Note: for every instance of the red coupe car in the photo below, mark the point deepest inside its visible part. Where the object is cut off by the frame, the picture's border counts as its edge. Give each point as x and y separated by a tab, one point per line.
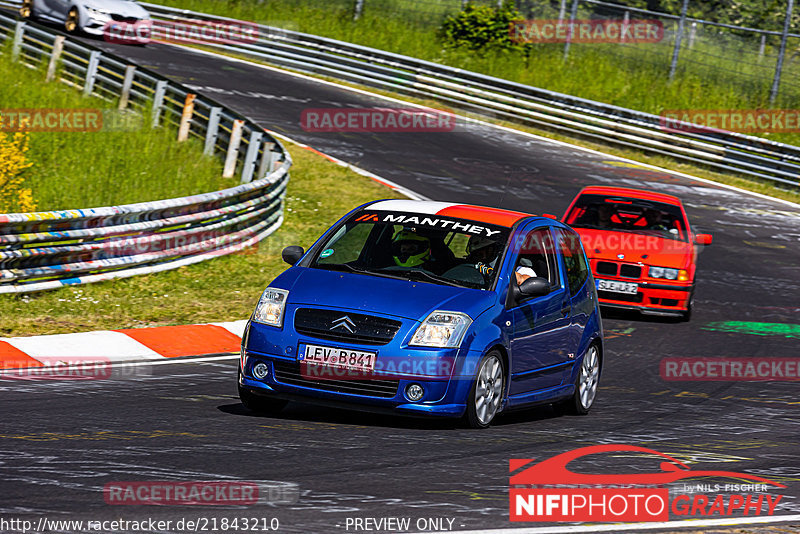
641	248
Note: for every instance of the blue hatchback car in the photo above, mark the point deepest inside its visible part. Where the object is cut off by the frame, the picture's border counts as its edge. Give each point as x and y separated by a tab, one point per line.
429	308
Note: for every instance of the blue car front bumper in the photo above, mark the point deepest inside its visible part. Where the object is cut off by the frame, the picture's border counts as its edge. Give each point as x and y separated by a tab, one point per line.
445	375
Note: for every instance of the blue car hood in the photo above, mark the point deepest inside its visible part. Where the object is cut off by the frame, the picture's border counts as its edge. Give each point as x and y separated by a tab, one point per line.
388	296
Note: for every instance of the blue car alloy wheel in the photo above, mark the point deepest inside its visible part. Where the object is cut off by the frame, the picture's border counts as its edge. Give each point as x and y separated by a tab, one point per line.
427	308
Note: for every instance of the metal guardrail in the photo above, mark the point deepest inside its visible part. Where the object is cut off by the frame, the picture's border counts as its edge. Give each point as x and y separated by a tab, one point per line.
47	250
742	154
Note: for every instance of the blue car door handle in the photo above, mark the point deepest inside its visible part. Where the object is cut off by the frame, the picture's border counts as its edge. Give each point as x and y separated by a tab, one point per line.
565	309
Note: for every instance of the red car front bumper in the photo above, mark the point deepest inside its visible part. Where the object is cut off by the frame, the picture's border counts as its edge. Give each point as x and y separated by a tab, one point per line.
653	298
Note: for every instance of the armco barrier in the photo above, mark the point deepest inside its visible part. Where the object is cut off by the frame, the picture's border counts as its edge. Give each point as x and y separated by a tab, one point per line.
51	249
726	151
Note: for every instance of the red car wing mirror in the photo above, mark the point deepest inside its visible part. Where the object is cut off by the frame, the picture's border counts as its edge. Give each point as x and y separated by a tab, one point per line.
703	239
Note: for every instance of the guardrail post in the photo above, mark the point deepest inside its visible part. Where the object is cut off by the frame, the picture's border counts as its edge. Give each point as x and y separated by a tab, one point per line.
130	70
91	72
212	130
58	47
233	149
250	157
158	101
267	160
186	117
16	47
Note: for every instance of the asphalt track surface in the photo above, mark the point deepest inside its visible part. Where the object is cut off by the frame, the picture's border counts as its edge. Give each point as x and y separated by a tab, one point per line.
60	442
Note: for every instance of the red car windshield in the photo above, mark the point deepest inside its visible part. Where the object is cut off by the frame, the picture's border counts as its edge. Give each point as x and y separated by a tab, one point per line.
621	214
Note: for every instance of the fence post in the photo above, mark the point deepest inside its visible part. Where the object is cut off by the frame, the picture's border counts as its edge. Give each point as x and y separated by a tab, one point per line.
678	36
58	47
776	82
212	131
562	10
692	35
359	9
762	46
233	149
267	160
16	47
573	14
158	101
91	72
127	83
626	22
186	117
250	157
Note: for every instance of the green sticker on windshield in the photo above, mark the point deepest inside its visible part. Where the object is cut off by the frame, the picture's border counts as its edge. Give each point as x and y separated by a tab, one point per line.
325	253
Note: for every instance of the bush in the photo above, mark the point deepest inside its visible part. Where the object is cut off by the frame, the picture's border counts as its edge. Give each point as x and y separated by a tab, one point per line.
480	27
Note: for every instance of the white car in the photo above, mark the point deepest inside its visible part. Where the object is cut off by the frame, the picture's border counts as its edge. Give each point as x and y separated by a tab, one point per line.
95	17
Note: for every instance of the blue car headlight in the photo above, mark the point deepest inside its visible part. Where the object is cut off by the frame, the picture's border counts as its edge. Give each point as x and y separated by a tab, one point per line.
271	306
442	329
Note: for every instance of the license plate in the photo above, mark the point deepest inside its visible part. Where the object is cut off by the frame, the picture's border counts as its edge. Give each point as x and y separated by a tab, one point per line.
617	287
337	357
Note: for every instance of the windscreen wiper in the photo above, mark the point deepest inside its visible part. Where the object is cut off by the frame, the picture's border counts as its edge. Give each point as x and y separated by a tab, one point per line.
350	268
429	276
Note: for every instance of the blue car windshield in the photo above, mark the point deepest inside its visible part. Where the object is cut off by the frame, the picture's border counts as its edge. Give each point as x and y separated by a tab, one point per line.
414	246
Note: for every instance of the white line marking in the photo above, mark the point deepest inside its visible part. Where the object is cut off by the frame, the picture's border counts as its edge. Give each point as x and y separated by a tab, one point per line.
689	523
505	128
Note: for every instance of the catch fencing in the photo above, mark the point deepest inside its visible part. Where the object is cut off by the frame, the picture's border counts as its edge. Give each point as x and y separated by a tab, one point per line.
742	154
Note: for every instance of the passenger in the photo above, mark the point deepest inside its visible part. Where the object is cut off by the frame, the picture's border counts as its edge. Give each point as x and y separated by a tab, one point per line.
604	213
522	273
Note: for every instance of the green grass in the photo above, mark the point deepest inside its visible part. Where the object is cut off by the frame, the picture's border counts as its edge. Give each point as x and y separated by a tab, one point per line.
632	77
222	289
102	168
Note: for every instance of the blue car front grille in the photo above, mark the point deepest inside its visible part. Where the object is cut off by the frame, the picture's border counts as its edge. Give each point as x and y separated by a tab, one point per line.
358	328
289	373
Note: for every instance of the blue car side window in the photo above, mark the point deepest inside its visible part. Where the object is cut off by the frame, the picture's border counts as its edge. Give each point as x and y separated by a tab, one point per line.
537	257
574	260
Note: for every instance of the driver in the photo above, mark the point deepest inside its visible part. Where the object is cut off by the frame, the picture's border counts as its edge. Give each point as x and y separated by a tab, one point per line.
655	219
410	249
